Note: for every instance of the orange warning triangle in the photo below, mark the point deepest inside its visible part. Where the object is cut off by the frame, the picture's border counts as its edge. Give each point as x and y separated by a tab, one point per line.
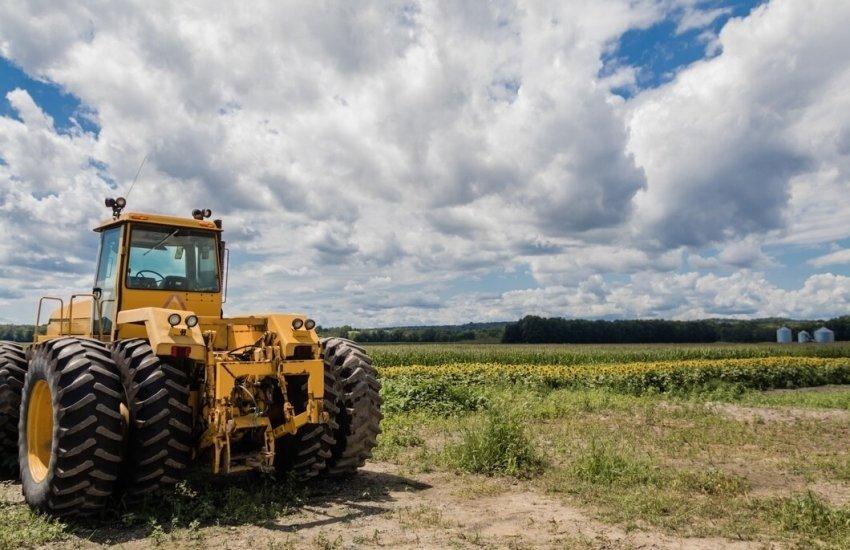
174	302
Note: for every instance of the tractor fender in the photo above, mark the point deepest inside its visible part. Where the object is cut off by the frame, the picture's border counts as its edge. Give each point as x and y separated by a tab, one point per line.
161	335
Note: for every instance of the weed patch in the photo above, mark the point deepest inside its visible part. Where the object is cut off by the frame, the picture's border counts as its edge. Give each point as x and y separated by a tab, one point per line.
601	464
20	526
809	517
437	396
498	446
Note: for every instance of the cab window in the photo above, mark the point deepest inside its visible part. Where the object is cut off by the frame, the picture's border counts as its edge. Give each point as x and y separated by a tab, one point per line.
106	280
172	258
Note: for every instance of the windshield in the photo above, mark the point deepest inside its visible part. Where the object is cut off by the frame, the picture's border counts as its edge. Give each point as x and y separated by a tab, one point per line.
172	258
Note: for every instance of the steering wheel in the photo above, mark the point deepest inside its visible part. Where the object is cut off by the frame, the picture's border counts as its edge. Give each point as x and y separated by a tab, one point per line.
160	275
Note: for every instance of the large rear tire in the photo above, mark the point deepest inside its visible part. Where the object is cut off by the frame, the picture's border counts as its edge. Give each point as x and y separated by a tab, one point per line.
304	455
359	417
70	429
159	435
13	370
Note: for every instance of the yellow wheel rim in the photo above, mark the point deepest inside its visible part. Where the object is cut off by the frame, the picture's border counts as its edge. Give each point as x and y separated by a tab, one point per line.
39	430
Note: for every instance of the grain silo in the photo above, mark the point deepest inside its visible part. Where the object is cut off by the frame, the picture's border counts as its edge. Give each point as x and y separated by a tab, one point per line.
783	335
804	337
823	335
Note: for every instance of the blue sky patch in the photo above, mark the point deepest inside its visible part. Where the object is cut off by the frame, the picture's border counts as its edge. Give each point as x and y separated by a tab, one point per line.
658	52
63	107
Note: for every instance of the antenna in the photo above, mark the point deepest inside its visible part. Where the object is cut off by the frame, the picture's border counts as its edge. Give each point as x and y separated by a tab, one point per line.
139	171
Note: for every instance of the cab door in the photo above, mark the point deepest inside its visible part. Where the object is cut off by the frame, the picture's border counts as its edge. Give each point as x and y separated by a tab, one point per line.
106	281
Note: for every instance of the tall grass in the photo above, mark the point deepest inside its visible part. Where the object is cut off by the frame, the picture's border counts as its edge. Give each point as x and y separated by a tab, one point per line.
499	446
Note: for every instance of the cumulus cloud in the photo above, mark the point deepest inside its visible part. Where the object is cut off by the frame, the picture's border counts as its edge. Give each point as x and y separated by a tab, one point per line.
726	144
373	162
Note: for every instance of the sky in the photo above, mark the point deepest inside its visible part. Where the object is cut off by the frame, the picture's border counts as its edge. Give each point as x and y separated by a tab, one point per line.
396	163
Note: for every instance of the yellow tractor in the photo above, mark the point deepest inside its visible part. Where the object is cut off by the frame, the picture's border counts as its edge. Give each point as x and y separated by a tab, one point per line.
130	383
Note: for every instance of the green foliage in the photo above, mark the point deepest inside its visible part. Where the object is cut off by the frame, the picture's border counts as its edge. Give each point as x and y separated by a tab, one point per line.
20	526
16	333
810	517
203	500
533	329
710	482
399	432
587	354
602	464
681	377
490	332
499	446
438	396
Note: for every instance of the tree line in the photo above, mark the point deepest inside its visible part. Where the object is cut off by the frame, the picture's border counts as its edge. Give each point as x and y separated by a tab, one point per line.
482	332
532	329
16	333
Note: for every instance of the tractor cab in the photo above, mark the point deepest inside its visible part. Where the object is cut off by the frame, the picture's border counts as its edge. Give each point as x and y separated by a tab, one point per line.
147	261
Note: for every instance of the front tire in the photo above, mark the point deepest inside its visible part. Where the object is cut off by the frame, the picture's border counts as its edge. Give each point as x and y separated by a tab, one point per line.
359	416
159	436
70	429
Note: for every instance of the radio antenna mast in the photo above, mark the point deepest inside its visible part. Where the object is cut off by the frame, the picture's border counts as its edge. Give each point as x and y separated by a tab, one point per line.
135	179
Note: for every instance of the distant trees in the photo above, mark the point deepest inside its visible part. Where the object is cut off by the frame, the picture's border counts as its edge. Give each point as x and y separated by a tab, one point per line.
479	332
428	334
16	333
532	329
539	330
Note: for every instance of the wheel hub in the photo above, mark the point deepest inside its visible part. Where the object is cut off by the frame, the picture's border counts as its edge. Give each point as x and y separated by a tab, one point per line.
39	430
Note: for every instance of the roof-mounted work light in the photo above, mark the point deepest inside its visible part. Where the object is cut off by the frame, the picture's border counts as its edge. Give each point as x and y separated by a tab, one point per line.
117	205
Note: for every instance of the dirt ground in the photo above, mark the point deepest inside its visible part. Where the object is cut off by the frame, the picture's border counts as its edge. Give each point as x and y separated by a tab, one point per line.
385	506
381	508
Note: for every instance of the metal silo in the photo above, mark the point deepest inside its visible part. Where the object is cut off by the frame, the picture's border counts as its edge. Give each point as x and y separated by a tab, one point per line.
804	337
783	335
823	335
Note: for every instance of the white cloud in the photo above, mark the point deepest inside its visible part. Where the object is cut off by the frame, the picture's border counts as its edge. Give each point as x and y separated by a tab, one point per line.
371	159
722	144
837	257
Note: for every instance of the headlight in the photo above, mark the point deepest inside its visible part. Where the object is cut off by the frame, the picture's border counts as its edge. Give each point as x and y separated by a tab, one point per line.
191	321
174	319
309	324
297	324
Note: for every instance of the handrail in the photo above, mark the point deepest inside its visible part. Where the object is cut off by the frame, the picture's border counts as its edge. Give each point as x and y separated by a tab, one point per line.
38	315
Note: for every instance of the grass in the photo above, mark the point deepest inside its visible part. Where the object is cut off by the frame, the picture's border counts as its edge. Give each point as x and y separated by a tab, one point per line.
632	434
20	526
198	502
809	520
651	460
496	446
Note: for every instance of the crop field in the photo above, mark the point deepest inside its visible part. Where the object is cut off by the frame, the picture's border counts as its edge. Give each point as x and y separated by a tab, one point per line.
523	446
391	355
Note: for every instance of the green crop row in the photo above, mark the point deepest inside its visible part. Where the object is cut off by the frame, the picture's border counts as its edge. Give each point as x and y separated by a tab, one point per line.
654	376
585	354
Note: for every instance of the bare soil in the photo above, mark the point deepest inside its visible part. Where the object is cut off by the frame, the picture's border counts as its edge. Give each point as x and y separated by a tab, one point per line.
771	414
381	507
